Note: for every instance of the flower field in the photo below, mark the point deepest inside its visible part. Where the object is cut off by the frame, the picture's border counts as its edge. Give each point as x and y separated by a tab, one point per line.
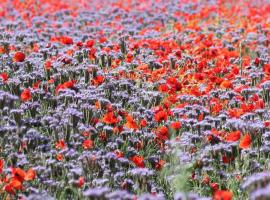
134	99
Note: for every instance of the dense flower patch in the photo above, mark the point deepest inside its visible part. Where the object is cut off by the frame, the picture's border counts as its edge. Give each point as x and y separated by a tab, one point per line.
146	99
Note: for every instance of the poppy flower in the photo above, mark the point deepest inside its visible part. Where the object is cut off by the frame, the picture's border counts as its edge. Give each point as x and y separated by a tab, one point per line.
60	144
245	142
26	95
235	112
59	157
267	124
4	76
92	53
103	39
200	117
2	50
18	173
51	81
1	165
19	56
30	175
88	144
36	84
266	68
66	40
79	44
80	182
175	125
174	84
160	164
12	186
143	123
214	186
161	115
131	124
48	65
222	195
119	154
129	58
65	85
110	118
226	84
163	88
138	161
233	136
178	54
98	80
89	43
85	133
162	133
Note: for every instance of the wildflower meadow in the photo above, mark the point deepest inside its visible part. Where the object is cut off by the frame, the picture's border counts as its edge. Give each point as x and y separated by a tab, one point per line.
134	99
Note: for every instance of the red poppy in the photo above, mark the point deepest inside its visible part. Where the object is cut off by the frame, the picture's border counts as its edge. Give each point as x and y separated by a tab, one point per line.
174	84
175	125
178	54
12	186
60	144
98	80
129	58
200	117
79	44
85	133
163	88
217	108
80	182
267	124
110	118
214	186
257	61
222	195
138	161
143	123
226	84
266	68
1	165
90	43
48	65
161	115
30	175
66	40
245	142
102	39
119	154
92	53
19	56
36	84
131	123
160	164
4	76
26	95
88	144
18	173
233	136
235	112
59	157
65	85
162	133
51	81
